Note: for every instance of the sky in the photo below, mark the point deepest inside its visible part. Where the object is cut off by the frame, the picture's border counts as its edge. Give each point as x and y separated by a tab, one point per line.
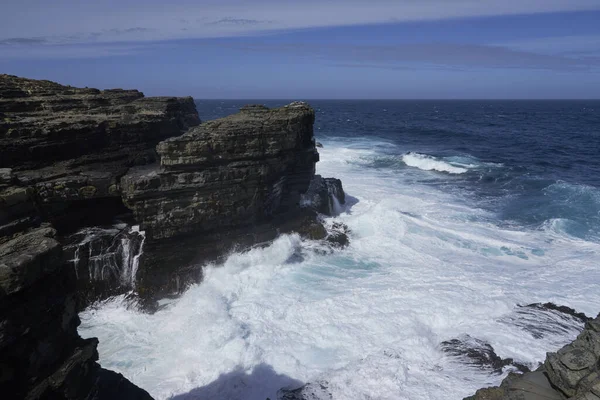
310	49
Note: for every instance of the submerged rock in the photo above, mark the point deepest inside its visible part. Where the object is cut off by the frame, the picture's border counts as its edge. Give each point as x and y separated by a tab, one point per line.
479	354
542	320
310	391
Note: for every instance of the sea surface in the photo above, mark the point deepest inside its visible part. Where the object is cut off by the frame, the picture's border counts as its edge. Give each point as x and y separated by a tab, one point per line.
459	211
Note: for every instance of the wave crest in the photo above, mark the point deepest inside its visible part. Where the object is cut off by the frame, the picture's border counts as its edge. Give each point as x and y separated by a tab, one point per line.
430	163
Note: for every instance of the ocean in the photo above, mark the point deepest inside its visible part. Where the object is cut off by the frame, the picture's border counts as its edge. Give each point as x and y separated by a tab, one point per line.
459	211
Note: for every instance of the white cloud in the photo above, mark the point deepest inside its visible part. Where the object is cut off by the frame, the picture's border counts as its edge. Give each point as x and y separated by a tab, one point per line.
74	21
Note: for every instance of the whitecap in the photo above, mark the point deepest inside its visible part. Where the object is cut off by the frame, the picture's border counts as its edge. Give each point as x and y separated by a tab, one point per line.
430	163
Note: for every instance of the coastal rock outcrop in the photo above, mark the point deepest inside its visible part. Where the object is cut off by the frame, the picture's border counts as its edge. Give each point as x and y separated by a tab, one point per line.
573	372
237	171
64	151
233	182
104	191
71	146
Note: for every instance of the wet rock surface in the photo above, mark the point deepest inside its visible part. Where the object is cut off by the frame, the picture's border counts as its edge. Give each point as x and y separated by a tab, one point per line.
324	195
573	372
310	391
479	354
41	353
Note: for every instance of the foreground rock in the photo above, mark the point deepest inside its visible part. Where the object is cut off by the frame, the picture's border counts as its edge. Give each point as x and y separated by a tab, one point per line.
41	353
570	373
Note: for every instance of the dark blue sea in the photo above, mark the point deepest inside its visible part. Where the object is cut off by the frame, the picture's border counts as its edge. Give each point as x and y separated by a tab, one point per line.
458	212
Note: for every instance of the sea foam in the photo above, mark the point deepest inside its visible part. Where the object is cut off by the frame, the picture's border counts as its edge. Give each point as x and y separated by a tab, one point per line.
430	163
424	265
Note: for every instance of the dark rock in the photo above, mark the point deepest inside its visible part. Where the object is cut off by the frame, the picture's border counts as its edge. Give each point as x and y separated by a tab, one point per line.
18	211
572	372
27	258
237	171
324	195
105	260
338	235
71	144
319	144
479	354
111	385
41	353
310	391
225	184
542	320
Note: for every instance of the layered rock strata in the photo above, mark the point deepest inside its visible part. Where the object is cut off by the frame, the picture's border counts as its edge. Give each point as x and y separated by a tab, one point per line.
63	152
167	198
71	146
236	181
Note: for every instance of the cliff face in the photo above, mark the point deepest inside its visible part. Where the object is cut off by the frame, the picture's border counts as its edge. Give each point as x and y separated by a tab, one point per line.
233	172
63	152
167	197
234	181
71	146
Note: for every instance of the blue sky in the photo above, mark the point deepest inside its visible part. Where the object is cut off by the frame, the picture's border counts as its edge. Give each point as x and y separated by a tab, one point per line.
438	49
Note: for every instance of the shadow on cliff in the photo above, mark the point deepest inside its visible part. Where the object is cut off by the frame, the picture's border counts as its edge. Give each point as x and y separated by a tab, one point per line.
262	383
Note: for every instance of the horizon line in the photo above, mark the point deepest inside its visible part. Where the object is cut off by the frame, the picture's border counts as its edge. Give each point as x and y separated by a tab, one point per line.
382	99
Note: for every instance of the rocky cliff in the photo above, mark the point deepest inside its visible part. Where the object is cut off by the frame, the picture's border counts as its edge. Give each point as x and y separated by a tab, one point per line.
106	191
238	180
64	151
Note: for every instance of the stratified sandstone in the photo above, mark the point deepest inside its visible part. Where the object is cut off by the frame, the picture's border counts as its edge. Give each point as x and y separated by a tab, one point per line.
73	145
233	172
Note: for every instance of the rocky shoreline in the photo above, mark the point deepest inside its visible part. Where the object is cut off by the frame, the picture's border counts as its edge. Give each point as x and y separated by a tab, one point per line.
109	192
104	192
573	372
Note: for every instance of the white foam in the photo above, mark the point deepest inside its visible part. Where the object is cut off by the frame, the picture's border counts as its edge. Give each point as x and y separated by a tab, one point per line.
423	266
429	163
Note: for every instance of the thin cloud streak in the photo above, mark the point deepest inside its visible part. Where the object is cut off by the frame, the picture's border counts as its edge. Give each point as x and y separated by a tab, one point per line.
441	55
104	21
